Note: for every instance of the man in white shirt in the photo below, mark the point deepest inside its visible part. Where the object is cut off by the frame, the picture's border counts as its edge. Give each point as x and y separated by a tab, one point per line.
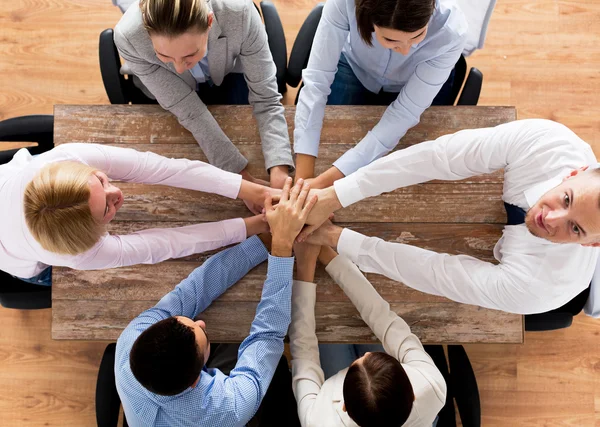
543	264
398	385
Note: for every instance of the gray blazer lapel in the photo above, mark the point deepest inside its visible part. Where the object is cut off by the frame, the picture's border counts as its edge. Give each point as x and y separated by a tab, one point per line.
217	53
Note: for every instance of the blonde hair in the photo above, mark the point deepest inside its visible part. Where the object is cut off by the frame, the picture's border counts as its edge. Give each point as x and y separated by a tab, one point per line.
57	210
172	18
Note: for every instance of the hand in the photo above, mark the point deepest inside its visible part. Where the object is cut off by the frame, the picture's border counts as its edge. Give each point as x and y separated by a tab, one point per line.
306	261
256	209
328	234
327	204
278	175
288	218
248	177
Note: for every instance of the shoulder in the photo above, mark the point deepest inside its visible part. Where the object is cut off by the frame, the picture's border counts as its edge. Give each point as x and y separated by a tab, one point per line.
130	29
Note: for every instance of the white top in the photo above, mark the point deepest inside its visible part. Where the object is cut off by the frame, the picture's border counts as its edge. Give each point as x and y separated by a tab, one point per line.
320	402
533	274
22	256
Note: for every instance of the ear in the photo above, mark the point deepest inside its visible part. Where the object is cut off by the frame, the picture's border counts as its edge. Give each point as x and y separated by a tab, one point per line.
344	407
211	16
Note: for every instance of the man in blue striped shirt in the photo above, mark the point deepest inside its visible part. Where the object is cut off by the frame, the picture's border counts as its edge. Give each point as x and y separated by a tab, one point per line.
160	364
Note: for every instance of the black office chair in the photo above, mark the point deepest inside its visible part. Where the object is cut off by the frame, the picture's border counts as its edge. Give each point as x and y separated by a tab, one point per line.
559	318
303	44
120	89
108	402
462	386
15	293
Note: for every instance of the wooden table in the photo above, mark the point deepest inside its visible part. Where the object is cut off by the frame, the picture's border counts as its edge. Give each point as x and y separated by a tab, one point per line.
464	217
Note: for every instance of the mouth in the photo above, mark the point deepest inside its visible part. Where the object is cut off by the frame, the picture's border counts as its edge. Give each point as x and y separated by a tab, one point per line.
540	222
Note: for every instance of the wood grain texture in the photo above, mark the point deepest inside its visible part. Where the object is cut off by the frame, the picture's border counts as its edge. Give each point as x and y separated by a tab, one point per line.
439	208
541	56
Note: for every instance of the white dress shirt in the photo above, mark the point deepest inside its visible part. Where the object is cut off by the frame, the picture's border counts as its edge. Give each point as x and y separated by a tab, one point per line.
320	402
417	77
533	274
22	256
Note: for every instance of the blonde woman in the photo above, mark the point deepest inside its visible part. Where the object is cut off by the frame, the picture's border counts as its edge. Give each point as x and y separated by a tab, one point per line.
190	53
55	208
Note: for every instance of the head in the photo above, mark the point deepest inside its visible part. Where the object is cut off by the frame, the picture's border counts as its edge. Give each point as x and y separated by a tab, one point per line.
570	212
178	30
67	206
167	358
398	24
377	391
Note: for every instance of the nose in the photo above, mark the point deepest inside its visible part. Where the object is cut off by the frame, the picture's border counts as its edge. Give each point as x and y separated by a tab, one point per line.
402	49
555	218
180	67
201	323
113	194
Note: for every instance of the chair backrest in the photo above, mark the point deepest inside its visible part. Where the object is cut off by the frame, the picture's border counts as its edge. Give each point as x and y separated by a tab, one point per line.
477	14
34	128
303	45
108	402
277	45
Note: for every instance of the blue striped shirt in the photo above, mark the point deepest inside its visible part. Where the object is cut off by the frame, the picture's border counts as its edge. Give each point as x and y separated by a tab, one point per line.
217	399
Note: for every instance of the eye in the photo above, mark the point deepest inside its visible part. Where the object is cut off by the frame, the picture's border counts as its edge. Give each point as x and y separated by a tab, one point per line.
575	228
567	200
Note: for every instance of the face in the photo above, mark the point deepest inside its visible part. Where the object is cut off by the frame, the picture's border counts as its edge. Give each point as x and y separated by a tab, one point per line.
199	328
399	41
105	198
184	51
570	212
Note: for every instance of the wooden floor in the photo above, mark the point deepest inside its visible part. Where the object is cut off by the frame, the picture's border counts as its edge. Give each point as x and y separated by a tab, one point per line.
542	56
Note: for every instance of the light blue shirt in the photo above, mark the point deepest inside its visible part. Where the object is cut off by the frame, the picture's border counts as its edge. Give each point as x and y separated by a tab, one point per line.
418	77
200	71
217	400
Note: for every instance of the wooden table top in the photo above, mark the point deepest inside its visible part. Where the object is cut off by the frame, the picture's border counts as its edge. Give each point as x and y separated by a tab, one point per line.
463	217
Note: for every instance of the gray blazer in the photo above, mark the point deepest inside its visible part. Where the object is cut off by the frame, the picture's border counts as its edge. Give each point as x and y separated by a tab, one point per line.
236	41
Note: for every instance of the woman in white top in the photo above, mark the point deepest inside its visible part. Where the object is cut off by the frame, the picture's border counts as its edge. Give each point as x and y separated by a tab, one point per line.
55	208
398	53
399	387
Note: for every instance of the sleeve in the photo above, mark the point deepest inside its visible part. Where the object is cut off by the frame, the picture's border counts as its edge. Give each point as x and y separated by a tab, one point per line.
404	113
205	284
450	157
158	244
126	164
327	46
260	352
307	375
260	75
390	329
460	278
174	95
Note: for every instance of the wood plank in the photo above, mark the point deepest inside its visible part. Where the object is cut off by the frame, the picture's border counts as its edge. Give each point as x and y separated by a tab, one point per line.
150	124
452	202
446	322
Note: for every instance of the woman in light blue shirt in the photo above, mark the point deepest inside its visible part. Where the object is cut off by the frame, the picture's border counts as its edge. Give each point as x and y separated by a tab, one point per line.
399	53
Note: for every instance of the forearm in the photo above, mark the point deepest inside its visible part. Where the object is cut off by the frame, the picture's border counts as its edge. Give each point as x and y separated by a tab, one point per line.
305	166
256	225
327	178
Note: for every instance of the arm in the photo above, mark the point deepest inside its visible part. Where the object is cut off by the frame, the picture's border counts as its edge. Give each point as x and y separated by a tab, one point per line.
404	113
390	329
260	74
327	46
205	284
155	245
174	95
260	352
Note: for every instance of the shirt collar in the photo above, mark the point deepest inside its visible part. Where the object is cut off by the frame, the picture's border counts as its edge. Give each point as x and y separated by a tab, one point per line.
533	194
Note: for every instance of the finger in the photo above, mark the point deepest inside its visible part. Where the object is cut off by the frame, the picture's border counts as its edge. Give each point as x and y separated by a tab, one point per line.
306	232
285	193
308	206
296	190
303	195
268	202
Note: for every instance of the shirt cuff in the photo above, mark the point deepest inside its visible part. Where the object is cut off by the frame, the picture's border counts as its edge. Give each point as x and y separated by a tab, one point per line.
235	230
348	190
350	162
307	142
349	244
338	264
255	250
229	184
280	269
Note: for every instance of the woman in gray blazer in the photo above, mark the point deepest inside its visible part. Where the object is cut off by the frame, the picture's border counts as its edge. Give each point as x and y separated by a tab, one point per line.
189	53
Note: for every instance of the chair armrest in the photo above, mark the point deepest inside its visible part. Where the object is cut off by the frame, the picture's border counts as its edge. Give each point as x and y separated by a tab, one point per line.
35	128
108	402
303	45
464	386
277	44
472	88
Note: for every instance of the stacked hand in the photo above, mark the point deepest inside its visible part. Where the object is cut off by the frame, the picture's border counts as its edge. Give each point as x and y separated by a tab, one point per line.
289	216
